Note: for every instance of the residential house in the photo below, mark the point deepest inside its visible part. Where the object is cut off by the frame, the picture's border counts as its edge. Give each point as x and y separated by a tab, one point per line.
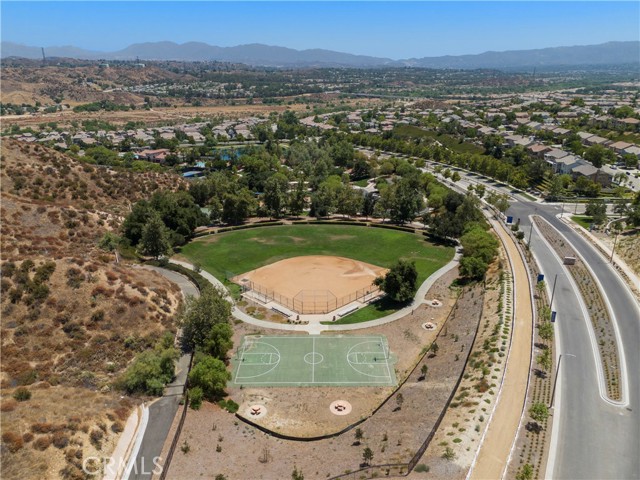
554	154
515	140
628	123
157	156
633	150
584	135
538	150
567	164
592	173
596	140
620	147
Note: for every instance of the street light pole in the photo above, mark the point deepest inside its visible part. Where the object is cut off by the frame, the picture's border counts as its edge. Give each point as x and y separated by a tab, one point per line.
614	247
531	228
553	292
555	382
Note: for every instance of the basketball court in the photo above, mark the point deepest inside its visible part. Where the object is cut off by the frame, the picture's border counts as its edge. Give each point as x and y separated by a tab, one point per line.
315	360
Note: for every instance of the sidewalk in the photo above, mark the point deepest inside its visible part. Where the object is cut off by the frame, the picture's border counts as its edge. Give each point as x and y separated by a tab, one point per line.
501	432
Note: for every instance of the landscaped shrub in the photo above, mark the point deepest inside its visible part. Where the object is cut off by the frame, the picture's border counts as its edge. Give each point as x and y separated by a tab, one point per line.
195	397
229	405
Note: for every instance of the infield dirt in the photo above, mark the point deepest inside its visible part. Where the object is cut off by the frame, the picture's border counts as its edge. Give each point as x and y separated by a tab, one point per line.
341	276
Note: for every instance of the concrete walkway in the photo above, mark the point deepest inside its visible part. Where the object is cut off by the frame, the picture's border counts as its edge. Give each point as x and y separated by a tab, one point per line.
495	450
314	325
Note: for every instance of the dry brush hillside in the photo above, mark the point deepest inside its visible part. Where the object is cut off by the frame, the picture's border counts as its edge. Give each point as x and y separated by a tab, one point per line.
81	84
71	319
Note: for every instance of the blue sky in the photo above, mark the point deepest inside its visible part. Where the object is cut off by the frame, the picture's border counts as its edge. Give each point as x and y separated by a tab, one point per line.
384	29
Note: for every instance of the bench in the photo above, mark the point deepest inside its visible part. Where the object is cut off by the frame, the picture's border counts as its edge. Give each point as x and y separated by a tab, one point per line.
282	311
347	311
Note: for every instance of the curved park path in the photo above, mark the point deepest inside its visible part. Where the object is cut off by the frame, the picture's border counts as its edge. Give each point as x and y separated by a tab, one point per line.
314	327
495	450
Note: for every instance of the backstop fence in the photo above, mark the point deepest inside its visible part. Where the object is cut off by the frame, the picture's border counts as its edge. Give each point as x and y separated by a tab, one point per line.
309	301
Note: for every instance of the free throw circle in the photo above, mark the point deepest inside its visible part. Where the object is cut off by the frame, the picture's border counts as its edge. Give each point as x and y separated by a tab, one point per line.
313	358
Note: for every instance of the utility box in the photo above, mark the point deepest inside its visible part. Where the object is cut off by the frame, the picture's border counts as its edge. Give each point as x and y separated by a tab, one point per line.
569	260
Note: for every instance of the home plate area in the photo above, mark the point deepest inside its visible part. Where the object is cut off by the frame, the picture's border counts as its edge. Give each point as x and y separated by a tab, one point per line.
315	360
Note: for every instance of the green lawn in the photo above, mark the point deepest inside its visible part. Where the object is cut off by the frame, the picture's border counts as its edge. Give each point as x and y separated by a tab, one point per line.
381	308
582	220
233	253
361	183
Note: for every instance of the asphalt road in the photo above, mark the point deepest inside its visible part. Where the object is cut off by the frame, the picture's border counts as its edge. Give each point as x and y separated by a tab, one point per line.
162	411
595	440
592	439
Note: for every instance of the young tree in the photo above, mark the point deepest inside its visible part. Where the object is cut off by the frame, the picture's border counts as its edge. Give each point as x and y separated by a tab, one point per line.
434	348
155	238
109	242
359	435
400	282
544	359
545	330
367	455
399	400
423	370
296	474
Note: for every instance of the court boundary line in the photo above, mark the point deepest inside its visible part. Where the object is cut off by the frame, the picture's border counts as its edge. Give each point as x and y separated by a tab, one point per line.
380	340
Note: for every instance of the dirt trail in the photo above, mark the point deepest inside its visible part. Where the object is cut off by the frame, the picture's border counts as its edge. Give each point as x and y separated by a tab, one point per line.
494	452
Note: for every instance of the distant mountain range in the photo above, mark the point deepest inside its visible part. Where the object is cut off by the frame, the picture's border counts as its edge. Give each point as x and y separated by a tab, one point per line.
256	54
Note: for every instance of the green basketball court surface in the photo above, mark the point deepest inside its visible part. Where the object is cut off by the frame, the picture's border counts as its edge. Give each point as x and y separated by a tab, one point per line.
315	360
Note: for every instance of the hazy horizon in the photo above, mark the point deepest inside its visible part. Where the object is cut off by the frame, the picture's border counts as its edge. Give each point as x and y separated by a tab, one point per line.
381	29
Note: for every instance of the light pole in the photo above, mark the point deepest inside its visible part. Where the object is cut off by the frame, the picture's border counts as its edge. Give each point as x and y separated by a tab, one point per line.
531	228
555	382
553	292
614	247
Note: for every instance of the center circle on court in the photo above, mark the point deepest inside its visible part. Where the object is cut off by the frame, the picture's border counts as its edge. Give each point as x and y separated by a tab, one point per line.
313	358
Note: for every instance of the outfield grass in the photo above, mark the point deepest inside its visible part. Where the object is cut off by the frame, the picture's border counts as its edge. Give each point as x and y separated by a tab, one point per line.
238	252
